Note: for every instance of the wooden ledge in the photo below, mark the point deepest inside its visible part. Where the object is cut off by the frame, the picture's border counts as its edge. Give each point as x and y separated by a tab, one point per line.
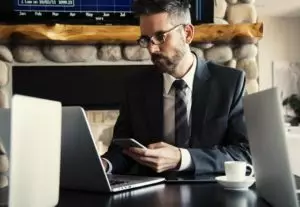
122	34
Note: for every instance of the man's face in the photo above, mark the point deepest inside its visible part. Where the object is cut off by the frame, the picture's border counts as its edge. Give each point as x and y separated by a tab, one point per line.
165	56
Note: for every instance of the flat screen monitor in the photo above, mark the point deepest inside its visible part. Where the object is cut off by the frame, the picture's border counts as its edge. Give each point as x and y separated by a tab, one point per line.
113	12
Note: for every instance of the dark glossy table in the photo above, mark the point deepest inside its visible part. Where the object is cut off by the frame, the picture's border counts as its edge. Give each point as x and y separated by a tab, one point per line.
196	194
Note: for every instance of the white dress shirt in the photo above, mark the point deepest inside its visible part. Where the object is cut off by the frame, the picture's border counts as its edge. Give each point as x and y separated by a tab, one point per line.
169	111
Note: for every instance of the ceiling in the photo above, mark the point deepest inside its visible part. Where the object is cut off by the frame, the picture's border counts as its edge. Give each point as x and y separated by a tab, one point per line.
286	8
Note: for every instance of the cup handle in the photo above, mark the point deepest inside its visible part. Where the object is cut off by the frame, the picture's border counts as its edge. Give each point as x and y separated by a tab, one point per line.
252	170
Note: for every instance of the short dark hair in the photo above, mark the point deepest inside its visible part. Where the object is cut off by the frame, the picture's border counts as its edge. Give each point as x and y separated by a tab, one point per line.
178	10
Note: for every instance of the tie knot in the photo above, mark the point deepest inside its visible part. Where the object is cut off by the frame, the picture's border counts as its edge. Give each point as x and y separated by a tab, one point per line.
179	84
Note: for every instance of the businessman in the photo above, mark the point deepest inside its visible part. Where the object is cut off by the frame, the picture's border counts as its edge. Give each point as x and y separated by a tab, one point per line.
187	111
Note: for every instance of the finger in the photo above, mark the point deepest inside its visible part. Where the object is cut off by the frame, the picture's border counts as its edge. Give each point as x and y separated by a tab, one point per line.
153	153
150	160
147	161
161	168
158	163
143	152
132	155
146	164
129	153
137	159
137	150
157	145
165	168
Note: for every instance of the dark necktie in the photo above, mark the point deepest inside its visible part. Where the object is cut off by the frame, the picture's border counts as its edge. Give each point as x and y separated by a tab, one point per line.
181	122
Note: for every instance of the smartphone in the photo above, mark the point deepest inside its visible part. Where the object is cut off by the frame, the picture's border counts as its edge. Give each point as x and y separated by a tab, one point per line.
128	142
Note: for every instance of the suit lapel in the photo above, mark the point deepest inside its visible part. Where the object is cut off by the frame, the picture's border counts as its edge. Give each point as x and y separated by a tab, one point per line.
200	98
154	102
154	107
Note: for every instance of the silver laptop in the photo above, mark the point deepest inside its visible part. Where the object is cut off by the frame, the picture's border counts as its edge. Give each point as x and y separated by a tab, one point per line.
31	135
267	138
81	166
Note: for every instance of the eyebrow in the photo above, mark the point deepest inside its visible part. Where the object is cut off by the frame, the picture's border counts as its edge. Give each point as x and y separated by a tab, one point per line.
159	31
162	31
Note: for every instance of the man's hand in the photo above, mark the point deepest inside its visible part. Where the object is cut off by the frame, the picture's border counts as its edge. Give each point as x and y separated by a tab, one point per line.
159	156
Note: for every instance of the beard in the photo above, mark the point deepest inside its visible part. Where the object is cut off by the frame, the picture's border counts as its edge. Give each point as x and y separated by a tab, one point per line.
168	64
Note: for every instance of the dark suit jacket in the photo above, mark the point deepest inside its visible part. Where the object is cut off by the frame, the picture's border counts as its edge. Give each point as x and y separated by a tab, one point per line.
218	130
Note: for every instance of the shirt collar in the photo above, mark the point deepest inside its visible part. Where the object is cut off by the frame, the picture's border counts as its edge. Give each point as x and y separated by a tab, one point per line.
188	78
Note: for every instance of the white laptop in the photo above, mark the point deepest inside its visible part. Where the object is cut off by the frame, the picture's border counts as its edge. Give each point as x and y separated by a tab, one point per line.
267	139
81	166
31	134
5	129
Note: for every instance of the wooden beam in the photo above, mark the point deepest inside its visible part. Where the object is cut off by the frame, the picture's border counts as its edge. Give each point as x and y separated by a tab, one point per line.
125	34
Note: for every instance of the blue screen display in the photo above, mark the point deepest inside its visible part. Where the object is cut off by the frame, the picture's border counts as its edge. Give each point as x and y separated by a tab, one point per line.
76	6
117	12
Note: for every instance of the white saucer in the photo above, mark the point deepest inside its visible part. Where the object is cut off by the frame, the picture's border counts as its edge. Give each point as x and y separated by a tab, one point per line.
235	185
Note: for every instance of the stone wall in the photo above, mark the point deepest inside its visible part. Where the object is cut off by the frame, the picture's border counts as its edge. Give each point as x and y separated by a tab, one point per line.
241	56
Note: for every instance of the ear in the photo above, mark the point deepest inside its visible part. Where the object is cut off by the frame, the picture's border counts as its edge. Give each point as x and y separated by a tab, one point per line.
189	31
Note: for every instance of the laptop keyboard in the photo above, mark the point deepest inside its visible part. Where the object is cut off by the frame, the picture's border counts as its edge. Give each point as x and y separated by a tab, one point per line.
297	180
117	182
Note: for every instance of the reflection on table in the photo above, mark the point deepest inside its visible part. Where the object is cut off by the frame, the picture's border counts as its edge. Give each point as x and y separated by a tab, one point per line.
165	195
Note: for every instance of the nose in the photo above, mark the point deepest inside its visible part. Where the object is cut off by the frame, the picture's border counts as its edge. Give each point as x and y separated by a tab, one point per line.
152	48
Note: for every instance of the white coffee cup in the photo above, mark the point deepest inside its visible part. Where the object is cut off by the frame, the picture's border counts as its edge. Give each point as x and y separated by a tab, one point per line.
236	170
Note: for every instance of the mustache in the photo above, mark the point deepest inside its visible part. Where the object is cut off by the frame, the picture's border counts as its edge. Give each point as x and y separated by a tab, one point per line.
157	56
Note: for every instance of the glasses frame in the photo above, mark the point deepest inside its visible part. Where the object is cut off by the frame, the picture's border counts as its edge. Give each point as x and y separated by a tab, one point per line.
149	39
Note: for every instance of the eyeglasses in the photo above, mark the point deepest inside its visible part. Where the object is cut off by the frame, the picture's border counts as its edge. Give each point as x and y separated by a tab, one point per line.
157	39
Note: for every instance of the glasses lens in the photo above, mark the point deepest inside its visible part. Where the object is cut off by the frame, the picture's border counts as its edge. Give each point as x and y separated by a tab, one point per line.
143	42
158	39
